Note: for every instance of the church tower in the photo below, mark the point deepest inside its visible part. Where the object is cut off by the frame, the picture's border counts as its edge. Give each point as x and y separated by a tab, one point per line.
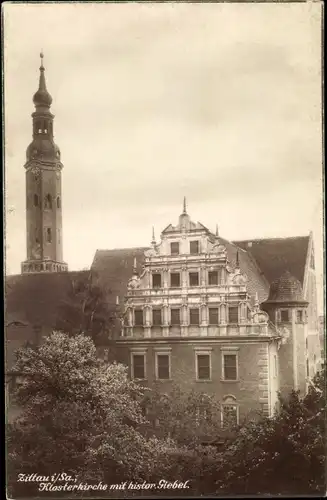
43	190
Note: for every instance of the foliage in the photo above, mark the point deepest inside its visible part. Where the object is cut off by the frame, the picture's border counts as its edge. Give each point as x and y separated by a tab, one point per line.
280	455
79	415
86	309
188	417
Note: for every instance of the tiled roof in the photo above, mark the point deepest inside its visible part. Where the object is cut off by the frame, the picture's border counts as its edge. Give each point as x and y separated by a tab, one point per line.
34	298
114	268
274	256
286	289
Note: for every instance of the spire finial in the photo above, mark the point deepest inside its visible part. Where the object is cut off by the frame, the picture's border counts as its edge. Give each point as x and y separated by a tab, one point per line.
42	98
237	260
217	232
184	205
153	241
134	266
41	56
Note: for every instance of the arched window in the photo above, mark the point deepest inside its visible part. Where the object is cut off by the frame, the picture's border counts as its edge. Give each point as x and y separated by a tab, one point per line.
49	236
36	200
58	202
229	411
48	201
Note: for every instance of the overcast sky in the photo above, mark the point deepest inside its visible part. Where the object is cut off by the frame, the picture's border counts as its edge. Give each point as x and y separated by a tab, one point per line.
217	102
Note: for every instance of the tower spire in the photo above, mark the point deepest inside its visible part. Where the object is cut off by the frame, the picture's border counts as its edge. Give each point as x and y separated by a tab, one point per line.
42	98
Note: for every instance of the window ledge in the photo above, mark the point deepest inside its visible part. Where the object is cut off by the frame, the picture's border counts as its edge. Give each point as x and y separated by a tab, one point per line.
229	381
163	380
203	380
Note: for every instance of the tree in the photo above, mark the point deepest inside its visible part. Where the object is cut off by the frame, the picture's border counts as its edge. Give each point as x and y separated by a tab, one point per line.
87	309
80	415
188	417
280	455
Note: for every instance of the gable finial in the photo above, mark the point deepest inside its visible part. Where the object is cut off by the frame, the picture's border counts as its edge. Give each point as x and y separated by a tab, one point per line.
184	205
134	266
217	232
237	260
153	241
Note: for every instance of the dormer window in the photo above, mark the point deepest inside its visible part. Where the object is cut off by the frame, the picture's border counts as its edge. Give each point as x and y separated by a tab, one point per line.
194	247
174	248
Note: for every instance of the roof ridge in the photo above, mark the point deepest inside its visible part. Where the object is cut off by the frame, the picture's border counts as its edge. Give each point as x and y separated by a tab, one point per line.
274	238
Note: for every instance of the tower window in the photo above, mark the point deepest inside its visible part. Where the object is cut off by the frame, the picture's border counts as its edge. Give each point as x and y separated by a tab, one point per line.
49	235
48	201
36	200
58	202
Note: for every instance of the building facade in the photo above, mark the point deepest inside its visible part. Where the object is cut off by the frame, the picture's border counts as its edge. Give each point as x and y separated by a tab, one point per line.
43	190
192	317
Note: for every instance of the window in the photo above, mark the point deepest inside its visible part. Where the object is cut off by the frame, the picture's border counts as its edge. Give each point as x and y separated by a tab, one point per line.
156	317
194	317
36	200
48	202
213	277
59	236
175	279
213	315
138	317
233	314
299	316
138	366
312	261
203	368
174	248
229	367
194	279
58	202
156	280
307	365
163	366
49	235
229	413
194	247
284	315
175	316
